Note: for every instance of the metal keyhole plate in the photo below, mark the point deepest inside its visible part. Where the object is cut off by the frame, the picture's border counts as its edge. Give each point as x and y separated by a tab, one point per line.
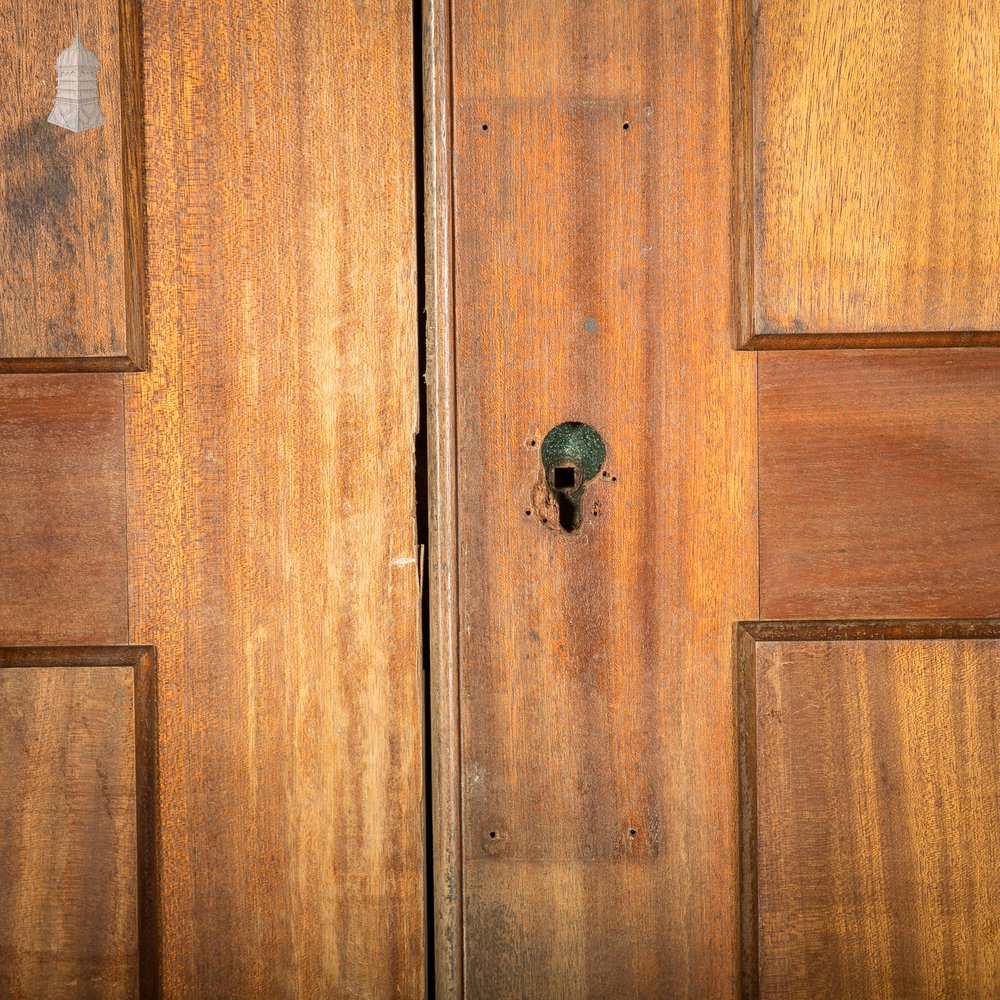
572	455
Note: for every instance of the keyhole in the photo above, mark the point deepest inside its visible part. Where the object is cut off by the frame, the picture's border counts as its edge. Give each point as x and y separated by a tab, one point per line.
569	512
564	484
572	455
564	478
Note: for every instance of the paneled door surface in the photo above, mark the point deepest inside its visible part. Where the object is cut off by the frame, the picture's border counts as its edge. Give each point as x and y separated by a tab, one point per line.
712	393
715	297
210	679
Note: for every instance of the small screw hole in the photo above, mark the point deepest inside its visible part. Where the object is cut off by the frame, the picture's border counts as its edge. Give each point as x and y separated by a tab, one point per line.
486	127
633	833
626	126
493	835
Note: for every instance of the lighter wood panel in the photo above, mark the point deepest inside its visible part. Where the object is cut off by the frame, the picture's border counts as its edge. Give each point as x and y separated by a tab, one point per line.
70	236
62	510
592	283
68	909
875	139
879	484
272	545
878	849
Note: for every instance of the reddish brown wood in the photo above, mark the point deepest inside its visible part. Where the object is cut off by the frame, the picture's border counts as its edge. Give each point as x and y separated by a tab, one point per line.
869	809
879	484
864	185
445	756
72	267
592	282
62	510
78	750
148	820
272	548
133	184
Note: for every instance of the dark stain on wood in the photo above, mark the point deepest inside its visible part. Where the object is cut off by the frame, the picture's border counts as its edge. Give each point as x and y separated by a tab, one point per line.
38	196
72	245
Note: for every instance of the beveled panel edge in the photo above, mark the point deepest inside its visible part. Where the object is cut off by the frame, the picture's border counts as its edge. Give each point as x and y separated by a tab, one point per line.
139	657
142	661
868	341
147	816
746	809
133	186
749	334
743	195
747	635
89	365
842	630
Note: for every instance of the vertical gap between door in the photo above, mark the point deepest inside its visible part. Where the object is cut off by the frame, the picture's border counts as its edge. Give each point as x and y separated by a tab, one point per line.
421	487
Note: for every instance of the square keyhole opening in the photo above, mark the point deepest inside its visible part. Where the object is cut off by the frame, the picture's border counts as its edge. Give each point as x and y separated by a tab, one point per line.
564	479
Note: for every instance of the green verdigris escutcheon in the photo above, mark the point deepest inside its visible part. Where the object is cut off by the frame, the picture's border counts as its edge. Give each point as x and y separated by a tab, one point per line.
572	455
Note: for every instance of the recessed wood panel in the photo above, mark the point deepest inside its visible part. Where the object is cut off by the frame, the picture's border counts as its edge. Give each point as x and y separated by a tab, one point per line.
76	735
868	153
272	546
71	267
62	510
871	824
879	484
592	280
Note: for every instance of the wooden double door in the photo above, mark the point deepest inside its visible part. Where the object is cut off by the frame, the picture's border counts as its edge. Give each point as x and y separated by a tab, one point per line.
651	650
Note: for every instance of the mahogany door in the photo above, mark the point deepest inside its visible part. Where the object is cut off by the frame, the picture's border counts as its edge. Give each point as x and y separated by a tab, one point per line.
715	560
723	722
210	680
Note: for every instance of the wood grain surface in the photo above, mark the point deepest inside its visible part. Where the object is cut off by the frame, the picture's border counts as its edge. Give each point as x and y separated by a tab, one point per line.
592	282
879	484
877	847
71	247
62	510
442	600
874	134
69	910
270	480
